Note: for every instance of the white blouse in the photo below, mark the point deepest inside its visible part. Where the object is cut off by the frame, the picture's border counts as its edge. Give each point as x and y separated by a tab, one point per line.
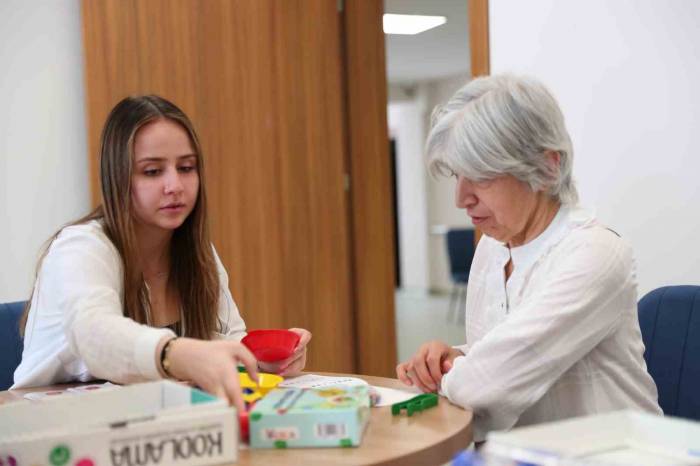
76	329
560	338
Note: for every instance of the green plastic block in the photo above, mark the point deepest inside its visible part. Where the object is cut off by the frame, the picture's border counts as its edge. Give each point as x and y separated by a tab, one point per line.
255	416
280	444
345	443
415	404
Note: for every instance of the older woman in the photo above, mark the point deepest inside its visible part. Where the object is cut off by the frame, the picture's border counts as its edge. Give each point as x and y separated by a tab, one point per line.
552	329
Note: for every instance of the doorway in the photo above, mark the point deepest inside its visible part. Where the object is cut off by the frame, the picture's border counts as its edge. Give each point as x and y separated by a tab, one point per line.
423	70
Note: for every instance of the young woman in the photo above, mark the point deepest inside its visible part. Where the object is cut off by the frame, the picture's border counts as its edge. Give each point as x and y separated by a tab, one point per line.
135	291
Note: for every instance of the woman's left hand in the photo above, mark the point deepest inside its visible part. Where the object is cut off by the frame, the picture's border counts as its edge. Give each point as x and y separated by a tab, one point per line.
294	364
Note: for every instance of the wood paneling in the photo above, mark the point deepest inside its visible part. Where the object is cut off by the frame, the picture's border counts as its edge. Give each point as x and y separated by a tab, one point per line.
479	36
479	49
372	219
262	81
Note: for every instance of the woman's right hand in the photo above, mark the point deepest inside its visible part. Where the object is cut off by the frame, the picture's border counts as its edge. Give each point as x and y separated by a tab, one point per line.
212	366
426	368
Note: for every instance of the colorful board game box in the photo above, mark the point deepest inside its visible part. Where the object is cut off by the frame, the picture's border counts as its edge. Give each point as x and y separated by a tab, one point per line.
299	417
148	424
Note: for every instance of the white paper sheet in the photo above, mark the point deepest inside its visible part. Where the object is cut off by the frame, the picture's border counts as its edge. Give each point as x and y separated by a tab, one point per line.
389	396
320	381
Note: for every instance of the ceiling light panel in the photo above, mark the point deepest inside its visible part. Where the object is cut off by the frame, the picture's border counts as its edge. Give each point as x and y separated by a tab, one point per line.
411	24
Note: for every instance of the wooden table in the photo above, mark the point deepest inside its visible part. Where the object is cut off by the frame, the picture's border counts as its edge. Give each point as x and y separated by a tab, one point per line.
431	437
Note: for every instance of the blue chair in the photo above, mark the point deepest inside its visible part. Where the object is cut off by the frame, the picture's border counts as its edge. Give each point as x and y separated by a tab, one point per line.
669	318
460	251
11	344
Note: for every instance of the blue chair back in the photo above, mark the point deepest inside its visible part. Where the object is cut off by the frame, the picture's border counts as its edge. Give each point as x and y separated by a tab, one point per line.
669	318
11	344
460	250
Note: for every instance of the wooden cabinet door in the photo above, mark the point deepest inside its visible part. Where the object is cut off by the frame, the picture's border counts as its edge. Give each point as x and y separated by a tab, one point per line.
262	82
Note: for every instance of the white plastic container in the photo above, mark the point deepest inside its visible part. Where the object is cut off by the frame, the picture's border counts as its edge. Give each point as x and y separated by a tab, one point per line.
619	438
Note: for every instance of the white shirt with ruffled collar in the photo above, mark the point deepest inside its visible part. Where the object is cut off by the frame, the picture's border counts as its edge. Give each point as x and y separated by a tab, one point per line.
560	338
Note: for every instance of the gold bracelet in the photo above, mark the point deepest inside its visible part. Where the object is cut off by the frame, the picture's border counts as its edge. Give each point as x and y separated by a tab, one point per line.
164	361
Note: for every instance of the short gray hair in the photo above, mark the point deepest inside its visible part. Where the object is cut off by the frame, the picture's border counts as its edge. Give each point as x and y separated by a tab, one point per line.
502	125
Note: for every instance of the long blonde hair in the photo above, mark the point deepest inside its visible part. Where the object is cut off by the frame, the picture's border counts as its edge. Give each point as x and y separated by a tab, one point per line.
193	270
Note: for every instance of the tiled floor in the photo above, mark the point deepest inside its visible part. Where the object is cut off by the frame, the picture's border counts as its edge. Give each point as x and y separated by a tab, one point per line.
421	317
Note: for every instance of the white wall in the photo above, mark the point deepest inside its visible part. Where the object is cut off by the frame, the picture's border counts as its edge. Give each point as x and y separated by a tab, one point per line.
406	126
627	75
43	155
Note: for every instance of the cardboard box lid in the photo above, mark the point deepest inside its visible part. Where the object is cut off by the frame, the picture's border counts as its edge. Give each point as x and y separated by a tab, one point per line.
155	400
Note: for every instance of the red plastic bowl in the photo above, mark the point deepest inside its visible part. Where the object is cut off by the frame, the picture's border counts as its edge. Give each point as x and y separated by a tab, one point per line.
271	345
